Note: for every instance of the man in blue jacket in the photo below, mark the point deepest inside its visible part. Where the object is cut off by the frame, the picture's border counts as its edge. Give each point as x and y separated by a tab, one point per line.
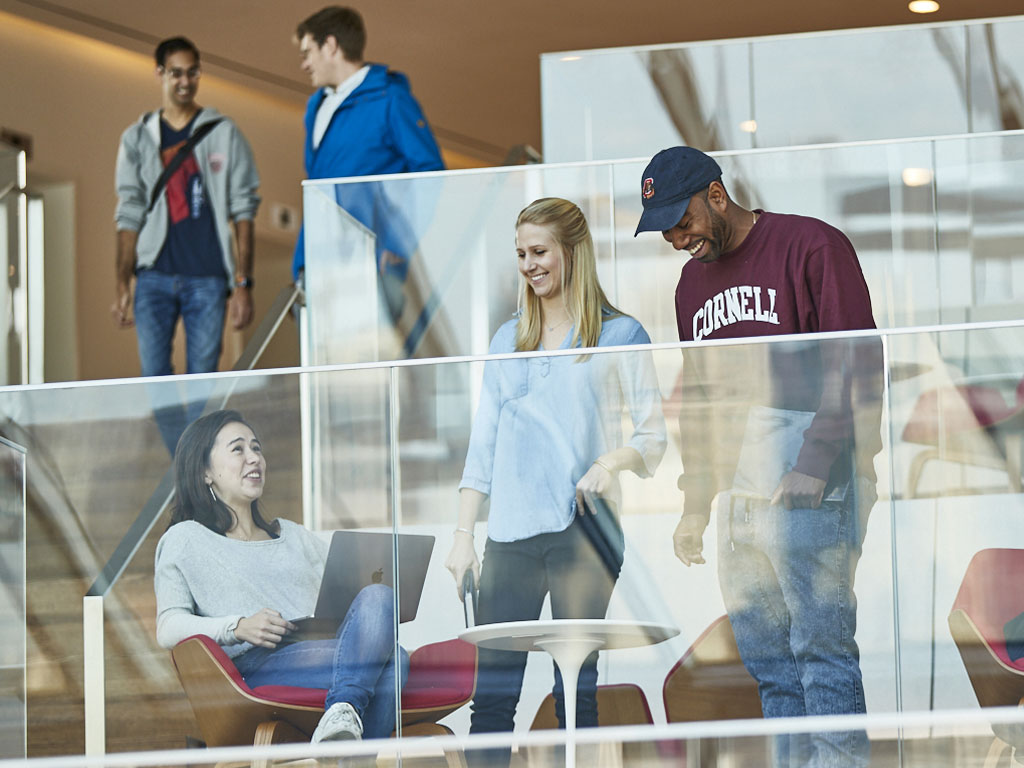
362	120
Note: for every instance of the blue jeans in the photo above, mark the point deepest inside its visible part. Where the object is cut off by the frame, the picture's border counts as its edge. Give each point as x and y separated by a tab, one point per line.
160	298
787	581
514	580
357	666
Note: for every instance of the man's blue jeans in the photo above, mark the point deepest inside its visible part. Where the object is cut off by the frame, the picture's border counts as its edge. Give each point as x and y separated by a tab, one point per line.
787	580
357	666
160	298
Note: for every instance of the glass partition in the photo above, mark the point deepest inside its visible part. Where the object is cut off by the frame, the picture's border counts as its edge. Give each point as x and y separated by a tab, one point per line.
12	601
934	223
920	431
946	740
854	85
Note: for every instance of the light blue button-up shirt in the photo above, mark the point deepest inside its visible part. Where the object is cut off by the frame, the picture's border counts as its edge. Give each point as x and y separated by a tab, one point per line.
542	421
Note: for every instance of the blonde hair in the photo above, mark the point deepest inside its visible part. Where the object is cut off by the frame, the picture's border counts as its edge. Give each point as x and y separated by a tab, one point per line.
581	291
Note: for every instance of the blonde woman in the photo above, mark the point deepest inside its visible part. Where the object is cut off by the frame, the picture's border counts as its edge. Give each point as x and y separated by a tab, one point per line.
547	447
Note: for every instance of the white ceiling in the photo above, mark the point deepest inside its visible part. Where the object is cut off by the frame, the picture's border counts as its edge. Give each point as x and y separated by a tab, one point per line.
474	64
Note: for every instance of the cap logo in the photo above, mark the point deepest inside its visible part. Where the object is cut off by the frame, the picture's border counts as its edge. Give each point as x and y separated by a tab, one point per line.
648	190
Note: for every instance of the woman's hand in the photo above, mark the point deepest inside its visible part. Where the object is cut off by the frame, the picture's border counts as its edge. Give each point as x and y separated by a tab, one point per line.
461	558
264	628
595	483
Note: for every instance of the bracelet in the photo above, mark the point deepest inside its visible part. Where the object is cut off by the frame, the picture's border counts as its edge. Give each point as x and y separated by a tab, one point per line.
465	530
604	466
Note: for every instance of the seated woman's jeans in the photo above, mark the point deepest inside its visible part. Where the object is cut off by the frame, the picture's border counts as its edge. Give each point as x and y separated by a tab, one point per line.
357	666
515	578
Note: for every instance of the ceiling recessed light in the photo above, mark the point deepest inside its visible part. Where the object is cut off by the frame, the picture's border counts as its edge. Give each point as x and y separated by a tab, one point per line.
570	58
917	177
749	126
923	6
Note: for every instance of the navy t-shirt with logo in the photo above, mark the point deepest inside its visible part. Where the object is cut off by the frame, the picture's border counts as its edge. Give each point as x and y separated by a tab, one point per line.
191	247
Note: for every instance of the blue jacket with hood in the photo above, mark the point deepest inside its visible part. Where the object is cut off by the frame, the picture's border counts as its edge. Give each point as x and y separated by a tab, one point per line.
380	128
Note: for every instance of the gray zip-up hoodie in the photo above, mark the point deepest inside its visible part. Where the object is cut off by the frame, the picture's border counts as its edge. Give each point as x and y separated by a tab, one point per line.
229	176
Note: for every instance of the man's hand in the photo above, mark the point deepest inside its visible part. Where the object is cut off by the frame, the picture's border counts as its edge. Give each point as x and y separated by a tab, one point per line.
688	539
264	628
388	259
121	309
240	308
799	491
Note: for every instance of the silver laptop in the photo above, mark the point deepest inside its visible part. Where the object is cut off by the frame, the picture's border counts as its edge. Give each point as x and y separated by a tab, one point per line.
358	559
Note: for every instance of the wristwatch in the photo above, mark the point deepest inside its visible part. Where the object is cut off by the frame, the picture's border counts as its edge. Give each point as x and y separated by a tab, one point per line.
243	282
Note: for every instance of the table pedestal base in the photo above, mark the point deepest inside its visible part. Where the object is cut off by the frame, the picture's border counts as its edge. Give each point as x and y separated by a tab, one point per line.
569	654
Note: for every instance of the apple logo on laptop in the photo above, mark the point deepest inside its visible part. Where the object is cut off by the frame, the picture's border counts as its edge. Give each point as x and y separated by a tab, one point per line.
378	576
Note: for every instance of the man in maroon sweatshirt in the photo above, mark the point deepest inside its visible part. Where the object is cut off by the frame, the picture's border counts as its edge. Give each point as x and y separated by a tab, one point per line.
784	432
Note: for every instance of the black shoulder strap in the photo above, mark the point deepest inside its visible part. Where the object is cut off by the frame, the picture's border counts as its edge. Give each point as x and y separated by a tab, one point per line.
183	151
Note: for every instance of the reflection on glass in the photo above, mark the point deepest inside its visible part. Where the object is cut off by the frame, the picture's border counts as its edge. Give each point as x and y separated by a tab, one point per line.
925	80
12	601
934	516
933	223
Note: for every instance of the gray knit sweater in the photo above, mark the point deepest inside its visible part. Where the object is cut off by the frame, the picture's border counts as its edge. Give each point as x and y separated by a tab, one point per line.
206	582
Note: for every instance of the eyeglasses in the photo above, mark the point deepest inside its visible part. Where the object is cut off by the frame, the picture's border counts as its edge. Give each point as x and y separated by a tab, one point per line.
192	73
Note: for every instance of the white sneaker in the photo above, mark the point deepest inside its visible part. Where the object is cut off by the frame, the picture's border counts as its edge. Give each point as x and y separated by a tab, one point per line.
339	723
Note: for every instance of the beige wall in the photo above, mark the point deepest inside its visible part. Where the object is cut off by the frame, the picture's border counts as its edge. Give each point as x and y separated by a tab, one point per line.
75	96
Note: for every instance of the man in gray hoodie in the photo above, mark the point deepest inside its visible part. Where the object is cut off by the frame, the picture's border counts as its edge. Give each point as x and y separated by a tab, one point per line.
175	202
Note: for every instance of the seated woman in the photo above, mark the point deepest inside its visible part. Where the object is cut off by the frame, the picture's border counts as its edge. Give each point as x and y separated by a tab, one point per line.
222	570
547	448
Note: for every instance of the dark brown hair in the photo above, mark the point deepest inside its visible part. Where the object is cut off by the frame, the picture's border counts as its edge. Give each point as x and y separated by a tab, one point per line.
344	24
193	500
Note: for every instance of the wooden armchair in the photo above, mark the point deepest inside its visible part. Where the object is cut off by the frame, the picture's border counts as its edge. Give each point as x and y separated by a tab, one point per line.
442	678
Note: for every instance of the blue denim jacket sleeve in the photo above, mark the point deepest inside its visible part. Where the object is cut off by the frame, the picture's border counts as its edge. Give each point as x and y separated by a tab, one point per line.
639	384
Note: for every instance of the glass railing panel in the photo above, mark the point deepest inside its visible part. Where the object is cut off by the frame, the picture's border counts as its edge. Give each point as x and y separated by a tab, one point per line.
978	184
505	430
12	601
96	463
956	405
680	90
851	85
932	222
997	74
449	242
938	741
385	448
855	86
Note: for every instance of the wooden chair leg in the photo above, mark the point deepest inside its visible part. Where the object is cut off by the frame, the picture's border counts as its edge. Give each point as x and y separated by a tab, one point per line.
917	468
275	732
1013	461
995	753
453	757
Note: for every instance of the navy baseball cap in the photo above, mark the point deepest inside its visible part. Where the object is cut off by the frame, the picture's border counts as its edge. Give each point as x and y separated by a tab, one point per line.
672	177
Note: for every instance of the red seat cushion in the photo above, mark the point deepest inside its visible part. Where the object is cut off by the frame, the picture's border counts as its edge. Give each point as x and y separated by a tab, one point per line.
990	596
440	674
964	408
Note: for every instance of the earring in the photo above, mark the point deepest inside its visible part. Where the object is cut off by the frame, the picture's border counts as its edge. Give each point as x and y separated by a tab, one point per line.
214	495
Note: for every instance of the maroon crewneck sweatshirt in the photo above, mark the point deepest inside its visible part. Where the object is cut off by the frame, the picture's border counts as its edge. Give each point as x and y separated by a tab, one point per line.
790	275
